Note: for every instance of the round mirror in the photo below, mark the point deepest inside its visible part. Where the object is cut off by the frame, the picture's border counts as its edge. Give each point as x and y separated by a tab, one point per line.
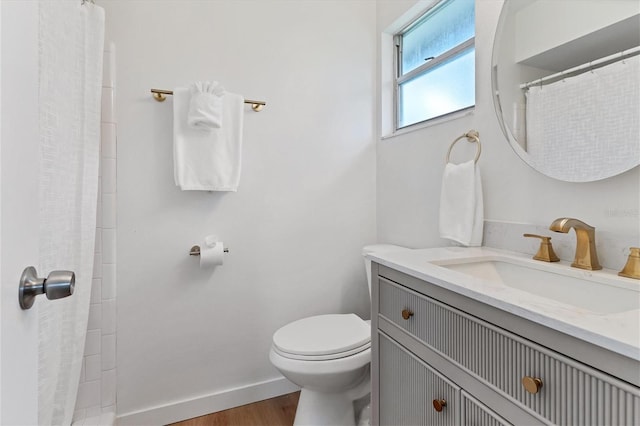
566	87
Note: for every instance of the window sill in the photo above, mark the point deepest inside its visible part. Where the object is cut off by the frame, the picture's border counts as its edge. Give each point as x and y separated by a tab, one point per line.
430	123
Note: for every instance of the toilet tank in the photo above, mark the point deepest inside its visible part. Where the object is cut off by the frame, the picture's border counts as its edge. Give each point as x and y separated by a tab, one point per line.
377	249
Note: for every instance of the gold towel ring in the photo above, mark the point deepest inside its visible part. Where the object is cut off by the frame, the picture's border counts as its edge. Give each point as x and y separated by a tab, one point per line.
472	136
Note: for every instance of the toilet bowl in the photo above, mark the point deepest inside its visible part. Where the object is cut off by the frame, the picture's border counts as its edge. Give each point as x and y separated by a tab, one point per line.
328	356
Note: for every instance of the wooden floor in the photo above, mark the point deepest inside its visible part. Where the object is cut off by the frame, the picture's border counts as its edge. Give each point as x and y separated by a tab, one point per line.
278	411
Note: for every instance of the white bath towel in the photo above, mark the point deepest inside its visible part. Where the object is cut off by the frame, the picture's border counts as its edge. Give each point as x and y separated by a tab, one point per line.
209	159
461	205
206	105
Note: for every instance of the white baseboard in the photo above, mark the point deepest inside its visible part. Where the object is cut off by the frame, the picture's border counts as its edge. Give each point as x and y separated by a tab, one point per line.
199	406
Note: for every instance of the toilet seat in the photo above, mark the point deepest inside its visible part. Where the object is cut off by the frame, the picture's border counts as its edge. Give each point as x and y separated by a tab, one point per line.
327	357
323	337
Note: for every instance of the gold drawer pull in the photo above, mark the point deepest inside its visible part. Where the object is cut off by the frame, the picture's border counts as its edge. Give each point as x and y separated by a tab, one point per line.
531	384
439	404
406	314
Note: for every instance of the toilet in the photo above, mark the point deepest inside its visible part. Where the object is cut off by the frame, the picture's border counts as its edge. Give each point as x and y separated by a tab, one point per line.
328	356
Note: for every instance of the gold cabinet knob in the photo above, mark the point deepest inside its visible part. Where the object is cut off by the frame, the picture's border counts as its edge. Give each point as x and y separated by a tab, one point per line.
406	314
531	384
439	404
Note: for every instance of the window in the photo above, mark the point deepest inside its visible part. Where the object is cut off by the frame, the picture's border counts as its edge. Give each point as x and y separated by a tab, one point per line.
435	63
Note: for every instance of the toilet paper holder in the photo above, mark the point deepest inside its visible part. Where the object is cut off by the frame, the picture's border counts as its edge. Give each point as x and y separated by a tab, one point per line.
195	250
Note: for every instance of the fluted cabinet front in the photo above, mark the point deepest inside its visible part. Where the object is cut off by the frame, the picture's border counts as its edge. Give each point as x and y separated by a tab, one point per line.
474	413
571	393
409	387
507	378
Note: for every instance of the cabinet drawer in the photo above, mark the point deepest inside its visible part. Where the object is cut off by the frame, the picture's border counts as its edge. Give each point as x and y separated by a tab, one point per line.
408	388
474	413
571	393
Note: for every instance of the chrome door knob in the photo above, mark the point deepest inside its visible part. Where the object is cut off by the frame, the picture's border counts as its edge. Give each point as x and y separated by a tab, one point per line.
57	285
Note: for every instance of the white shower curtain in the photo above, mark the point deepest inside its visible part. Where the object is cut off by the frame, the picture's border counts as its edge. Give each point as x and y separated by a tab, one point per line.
586	127
71	40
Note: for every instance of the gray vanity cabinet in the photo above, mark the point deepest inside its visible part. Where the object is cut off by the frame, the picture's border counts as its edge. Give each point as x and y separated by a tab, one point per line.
407	383
430	344
475	413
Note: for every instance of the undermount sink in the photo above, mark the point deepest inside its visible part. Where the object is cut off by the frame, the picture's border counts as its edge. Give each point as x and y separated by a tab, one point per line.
596	294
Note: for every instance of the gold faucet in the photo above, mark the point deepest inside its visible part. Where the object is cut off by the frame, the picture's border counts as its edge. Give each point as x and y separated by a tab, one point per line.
545	252
586	256
632	267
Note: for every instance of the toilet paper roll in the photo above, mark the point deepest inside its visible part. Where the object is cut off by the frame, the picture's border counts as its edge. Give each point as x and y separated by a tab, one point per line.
211	254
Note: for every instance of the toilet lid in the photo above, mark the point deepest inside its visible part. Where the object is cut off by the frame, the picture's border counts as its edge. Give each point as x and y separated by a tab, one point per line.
323	335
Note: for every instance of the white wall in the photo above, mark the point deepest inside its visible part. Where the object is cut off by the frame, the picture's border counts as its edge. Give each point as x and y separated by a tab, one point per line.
410	167
296	227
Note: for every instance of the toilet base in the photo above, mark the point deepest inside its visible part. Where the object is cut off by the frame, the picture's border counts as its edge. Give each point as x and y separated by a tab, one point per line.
331	408
322	409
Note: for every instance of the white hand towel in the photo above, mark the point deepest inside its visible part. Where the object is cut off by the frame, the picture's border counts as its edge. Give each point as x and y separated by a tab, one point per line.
461	205
206	105
207	160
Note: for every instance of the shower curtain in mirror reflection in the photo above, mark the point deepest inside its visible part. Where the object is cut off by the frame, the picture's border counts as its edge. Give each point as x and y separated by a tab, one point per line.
586	126
71	41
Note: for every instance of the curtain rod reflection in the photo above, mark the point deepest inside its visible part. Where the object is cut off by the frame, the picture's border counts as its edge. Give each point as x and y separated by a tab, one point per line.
580	69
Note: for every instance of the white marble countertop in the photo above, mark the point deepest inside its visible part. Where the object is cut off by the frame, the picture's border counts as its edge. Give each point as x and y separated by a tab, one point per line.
618	331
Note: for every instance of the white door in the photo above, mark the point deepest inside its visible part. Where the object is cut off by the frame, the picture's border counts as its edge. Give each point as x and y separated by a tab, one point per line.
19	153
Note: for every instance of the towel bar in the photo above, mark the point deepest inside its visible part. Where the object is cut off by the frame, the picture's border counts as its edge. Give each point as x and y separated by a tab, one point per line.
160	95
472	136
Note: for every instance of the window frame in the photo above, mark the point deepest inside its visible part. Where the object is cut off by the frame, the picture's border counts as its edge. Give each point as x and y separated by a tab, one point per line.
399	78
